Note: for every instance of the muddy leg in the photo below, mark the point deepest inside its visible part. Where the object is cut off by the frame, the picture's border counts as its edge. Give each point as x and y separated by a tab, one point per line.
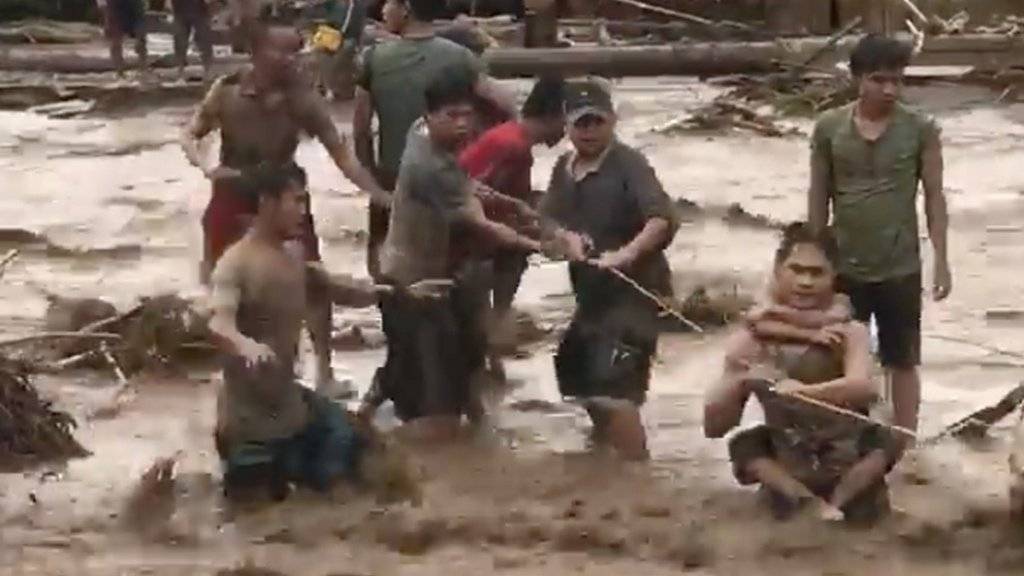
906	396
182	31
117	52
864	475
142	50
773	476
204	42
617	423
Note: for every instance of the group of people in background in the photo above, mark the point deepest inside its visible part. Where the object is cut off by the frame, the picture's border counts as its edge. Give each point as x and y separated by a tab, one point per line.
453	218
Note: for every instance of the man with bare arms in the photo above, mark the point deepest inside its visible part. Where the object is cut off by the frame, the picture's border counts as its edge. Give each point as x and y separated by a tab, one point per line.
272	431
867	160
805	454
261	113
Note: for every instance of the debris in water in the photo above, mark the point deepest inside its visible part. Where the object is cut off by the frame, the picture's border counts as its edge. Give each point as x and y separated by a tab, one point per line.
737	215
709	310
31	431
723	113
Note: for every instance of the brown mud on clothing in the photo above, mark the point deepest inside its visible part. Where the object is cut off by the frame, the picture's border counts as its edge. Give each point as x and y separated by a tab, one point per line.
500	505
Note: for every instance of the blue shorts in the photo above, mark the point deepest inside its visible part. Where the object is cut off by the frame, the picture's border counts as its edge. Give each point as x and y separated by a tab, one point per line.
327	450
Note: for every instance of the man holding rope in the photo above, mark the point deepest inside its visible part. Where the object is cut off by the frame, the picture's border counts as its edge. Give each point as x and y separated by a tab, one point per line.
817	447
606	203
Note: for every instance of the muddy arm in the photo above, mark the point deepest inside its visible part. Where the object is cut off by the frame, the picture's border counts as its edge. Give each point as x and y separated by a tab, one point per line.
819	195
205	120
725	401
855	389
362	128
936	211
783	322
489	89
343	289
225	298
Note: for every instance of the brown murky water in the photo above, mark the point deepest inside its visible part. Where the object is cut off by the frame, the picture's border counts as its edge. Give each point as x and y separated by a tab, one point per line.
529	499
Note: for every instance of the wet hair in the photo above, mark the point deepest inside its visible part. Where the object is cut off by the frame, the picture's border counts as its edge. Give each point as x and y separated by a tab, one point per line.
271	180
876	52
799	233
546	99
452	85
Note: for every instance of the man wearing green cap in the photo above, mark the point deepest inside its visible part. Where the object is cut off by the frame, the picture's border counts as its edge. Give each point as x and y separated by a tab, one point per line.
607	206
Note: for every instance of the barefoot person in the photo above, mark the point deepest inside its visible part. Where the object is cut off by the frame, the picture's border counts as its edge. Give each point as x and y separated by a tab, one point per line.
434	348
804	454
192	20
502	159
270	429
261	113
867	160
125	18
606	200
391	86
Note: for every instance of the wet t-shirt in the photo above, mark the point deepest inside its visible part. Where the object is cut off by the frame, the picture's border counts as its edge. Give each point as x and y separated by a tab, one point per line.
873	189
611	203
269	289
812	443
430	200
260	127
396	74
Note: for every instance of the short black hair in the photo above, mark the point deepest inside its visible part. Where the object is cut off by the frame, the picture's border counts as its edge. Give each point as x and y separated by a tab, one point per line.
876	52
451	85
546	99
425	10
271	180
799	233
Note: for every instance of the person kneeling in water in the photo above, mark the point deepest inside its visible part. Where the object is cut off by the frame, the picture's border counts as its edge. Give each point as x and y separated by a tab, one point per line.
271	431
805	454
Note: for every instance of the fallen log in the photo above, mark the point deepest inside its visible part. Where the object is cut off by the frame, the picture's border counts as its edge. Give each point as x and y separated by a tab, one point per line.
986	52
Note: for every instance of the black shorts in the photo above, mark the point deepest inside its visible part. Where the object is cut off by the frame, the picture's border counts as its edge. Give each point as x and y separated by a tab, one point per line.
434	348
608	354
896	307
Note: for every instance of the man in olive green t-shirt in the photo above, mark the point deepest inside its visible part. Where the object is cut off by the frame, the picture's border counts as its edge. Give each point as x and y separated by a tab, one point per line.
391	86
867	159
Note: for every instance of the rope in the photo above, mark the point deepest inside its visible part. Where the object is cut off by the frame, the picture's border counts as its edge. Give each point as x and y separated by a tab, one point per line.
654	298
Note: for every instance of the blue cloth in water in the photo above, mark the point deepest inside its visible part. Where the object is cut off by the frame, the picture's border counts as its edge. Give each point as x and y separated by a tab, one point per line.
325	451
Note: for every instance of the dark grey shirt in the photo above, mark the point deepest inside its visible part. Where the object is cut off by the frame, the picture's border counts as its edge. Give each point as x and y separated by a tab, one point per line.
430	200
611	203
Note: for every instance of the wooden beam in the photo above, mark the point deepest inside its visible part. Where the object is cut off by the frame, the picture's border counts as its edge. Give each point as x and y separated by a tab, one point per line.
988	52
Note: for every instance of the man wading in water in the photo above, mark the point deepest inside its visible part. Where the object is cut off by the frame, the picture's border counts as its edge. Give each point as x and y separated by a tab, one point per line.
261	113
805	454
866	161
391	86
272	431
435	347
607	202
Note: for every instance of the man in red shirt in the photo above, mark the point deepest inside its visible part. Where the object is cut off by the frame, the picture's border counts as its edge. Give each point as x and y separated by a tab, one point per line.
501	159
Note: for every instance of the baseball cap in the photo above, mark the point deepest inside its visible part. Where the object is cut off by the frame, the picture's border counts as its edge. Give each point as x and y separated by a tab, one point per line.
589	96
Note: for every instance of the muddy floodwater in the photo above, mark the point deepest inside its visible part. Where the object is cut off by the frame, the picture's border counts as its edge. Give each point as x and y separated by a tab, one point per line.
529	498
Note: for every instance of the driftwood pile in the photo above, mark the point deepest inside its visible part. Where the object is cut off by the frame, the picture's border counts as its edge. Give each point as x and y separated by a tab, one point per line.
31	430
158	334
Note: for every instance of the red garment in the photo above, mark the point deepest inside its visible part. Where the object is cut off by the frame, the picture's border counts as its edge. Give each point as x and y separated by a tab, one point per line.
228	216
501	158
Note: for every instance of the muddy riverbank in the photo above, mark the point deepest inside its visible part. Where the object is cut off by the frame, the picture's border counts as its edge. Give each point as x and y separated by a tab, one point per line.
117	193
